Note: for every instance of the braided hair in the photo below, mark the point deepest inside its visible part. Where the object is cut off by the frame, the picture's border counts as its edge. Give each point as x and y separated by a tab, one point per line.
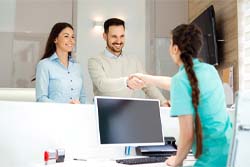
188	38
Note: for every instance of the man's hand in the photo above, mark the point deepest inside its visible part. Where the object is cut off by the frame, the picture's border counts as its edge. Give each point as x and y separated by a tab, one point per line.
135	83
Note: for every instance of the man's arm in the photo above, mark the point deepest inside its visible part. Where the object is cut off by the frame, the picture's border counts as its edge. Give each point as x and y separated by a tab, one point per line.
101	81
151	91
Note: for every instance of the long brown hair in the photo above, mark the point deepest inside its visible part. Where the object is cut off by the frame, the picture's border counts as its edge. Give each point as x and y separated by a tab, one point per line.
55	31
188	38
50	45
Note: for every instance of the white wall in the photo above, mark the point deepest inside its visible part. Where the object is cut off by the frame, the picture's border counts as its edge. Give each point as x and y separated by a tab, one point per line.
90	42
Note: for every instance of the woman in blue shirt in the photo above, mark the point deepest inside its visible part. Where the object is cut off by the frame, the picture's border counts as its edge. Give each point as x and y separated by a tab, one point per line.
58	75
197	98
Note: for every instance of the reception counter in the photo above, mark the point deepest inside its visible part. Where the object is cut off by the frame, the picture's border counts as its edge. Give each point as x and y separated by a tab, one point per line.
29	128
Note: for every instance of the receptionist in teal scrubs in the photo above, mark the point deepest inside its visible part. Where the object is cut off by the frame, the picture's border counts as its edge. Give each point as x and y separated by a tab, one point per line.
197	99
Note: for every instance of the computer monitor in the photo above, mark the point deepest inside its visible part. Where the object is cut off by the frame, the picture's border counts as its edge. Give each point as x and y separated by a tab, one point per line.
127	121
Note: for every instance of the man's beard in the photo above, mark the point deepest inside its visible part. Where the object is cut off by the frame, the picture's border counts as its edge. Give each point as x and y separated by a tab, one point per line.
113	49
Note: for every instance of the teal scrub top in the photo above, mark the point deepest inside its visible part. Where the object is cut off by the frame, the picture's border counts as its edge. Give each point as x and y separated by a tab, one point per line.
215	121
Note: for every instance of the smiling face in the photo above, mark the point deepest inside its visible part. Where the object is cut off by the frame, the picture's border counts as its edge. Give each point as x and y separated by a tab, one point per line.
65	41
115	38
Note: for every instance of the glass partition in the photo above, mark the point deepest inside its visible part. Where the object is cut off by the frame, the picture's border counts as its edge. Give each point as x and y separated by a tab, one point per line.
24	28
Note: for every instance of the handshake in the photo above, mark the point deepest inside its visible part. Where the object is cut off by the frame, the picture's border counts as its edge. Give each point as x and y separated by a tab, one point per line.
136	81
139	81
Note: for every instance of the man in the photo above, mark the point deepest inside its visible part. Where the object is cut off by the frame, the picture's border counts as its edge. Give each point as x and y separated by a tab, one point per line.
110	72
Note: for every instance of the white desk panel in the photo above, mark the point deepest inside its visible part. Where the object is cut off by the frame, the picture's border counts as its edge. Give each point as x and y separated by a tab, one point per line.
27	129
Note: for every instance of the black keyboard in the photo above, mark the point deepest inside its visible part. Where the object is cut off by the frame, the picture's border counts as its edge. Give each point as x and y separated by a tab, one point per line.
144	160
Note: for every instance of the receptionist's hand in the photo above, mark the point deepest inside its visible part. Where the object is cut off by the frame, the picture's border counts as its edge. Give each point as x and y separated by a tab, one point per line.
135	83
171	161
166	104
140	76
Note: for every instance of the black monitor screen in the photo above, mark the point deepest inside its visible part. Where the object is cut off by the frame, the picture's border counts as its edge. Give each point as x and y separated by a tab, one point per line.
206	21
129	121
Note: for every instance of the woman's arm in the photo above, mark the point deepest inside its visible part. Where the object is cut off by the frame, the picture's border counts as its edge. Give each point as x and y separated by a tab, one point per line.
159	81
186	136
42	83
82	93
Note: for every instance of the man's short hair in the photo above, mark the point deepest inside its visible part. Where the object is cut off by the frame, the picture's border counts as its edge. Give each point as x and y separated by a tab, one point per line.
113	22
